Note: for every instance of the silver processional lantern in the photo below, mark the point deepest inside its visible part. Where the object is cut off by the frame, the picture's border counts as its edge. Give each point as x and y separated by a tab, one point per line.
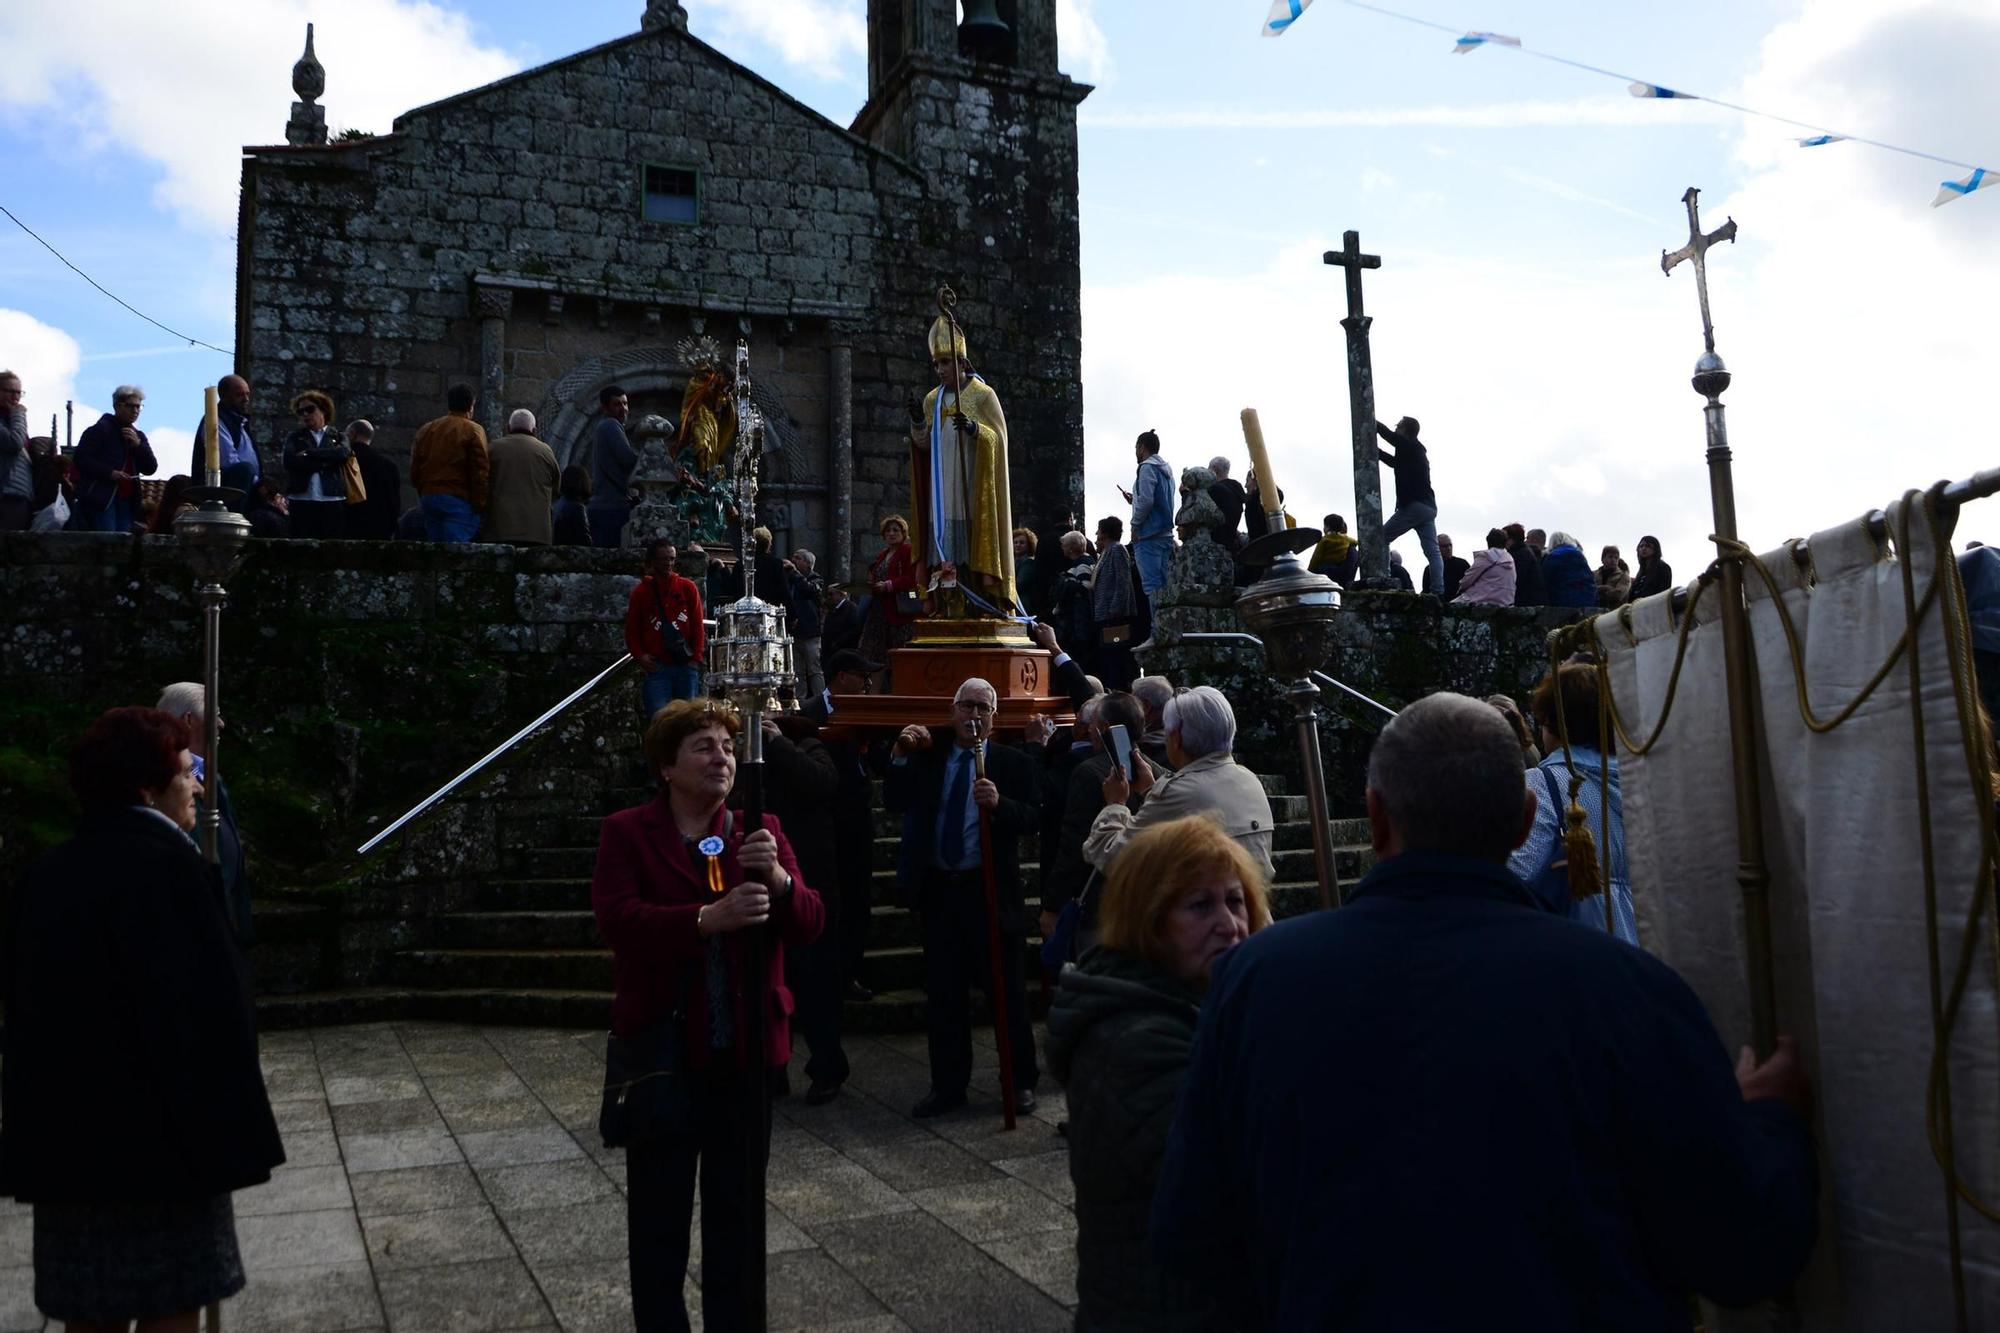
750	655
1292	610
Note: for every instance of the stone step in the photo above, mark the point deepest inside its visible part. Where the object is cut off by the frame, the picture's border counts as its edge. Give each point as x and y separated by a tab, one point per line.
566	862
504	969
515	930
511	1008
532	895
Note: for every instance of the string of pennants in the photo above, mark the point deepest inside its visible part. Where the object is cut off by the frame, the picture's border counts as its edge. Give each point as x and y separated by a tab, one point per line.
1285	13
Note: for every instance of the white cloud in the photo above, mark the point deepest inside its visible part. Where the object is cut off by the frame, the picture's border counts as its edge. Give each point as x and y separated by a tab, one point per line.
1083	49
187	85
828	38
1856	319
47	360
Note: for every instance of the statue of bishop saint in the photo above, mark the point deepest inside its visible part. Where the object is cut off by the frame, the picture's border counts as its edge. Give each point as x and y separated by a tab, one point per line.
963	535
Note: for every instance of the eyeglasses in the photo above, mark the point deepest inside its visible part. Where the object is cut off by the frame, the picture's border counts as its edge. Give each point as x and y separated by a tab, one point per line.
971	706
308	411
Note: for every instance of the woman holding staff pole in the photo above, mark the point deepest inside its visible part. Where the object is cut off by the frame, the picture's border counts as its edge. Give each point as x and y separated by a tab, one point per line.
678	882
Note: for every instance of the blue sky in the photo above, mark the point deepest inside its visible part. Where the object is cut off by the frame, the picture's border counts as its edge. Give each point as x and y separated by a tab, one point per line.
1520	208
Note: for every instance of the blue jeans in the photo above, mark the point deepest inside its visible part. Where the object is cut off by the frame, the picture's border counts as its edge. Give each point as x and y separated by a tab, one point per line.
607	525
449	518
114	517
1423	518
668	683
1152	555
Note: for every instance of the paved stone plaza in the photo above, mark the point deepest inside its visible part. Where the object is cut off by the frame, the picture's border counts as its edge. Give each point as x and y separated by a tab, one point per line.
451	1178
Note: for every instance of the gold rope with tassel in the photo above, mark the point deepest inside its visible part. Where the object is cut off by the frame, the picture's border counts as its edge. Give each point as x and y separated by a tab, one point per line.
1586	879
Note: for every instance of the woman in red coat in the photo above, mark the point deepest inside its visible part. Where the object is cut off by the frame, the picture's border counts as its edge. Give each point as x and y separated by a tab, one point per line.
677	881
893	571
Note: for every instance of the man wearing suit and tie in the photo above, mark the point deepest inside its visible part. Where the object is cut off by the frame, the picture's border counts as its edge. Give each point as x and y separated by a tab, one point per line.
931	781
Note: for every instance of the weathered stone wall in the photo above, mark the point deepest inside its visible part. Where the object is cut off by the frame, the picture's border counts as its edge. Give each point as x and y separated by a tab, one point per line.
496	237
357	676
1392	647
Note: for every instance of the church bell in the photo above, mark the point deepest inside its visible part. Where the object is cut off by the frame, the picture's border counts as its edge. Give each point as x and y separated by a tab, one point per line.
983	34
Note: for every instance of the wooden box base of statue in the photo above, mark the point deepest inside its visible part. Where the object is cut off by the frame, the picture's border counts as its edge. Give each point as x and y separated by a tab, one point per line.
925	675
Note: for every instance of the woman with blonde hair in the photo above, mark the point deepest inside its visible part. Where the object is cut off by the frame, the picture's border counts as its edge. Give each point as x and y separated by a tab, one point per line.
1121	1032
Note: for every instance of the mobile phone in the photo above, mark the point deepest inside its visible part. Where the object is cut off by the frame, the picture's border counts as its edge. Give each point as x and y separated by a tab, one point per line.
1120	741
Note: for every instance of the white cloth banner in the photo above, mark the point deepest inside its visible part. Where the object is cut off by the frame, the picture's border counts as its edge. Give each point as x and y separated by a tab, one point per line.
1844	847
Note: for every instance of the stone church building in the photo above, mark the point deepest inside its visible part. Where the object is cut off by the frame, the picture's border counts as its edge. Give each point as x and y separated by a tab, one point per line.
561	229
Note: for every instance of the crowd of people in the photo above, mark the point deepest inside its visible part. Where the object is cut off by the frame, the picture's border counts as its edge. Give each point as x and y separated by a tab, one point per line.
1268	1126
324	480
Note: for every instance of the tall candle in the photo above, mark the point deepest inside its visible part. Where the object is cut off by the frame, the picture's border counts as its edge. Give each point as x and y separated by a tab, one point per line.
1260	459
208	432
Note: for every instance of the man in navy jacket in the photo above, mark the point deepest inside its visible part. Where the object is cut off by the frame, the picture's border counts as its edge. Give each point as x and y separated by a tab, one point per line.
931	782
1441	1107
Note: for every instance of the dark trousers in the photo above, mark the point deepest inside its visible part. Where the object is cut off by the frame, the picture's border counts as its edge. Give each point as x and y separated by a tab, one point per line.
659	1208
953	907
857	891
319	520
818	991
16	513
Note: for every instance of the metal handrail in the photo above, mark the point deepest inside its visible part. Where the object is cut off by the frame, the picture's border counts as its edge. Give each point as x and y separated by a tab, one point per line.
1221	636
496	752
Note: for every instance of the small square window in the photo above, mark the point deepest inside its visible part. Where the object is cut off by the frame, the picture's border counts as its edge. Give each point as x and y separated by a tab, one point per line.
670	195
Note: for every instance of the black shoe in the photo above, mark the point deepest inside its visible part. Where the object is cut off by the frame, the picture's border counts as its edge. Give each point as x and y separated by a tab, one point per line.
1024	1101
1062	1129
822	1091
936	1103
857	991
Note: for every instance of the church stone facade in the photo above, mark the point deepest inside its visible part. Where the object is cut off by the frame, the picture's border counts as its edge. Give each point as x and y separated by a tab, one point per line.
563	228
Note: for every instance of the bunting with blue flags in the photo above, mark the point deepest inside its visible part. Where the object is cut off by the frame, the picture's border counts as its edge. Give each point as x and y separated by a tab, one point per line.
1472	41
1950	190
1284	13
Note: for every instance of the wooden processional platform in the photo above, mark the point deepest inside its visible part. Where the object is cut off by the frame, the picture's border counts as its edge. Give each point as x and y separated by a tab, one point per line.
925	674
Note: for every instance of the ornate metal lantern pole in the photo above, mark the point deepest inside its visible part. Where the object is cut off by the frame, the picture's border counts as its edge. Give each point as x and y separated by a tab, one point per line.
213	537
1753	876
1292	609
750	664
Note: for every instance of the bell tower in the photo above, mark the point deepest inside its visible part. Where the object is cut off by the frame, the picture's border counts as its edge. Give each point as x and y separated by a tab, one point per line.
968	93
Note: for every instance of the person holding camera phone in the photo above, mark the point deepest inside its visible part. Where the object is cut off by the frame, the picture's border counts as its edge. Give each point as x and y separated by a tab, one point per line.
663	630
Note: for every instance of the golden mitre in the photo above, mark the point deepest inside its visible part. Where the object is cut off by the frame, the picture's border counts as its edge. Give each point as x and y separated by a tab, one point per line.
946	339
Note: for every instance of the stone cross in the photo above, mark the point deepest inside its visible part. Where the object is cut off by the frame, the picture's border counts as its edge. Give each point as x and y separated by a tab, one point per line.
1361	409
1697	250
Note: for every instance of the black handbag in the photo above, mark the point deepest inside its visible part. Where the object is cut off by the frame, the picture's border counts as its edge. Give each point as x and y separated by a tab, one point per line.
645	1082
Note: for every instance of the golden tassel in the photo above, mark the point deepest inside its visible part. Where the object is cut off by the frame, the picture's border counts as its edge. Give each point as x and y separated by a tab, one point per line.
1580	850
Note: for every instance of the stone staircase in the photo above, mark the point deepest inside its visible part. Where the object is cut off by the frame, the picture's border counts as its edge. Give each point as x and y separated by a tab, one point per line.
524	949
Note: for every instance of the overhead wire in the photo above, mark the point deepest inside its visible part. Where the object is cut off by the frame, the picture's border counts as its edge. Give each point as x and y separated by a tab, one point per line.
190	341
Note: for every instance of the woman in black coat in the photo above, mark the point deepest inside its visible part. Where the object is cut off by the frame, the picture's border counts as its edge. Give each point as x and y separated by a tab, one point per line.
1120	1035
316	470
131	1101
1655	575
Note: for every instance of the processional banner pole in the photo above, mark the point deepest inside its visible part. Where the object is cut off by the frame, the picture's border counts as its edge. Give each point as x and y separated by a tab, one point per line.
1753	874
755	941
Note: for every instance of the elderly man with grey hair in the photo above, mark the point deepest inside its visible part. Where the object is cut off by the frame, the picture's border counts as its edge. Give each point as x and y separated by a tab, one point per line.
521	495
186	701
111	455
1229	497
933	783
1534	1109
1207	780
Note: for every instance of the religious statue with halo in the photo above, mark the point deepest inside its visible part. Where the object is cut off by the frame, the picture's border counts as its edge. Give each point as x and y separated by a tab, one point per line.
707	430
963	516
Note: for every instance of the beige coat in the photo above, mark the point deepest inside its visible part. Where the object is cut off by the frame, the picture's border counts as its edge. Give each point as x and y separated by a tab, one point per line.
1214	785
524	485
